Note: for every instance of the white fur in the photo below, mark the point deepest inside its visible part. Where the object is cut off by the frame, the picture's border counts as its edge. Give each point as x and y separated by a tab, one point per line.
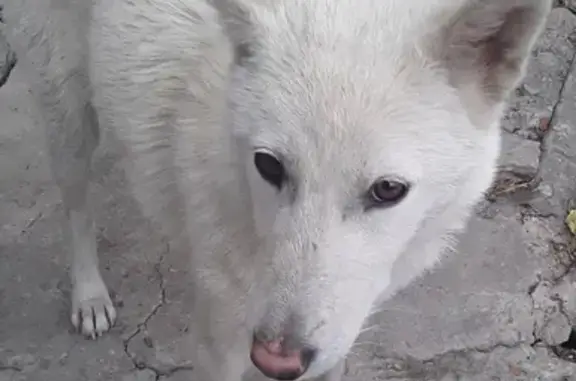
345	91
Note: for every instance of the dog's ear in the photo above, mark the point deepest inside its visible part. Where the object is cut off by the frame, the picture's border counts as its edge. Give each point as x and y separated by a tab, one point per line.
486	44
237	17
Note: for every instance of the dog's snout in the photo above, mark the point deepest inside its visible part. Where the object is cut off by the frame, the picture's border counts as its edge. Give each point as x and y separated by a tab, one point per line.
275	360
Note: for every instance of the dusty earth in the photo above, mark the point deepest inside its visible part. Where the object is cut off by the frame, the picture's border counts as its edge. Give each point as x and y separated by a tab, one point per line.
502	308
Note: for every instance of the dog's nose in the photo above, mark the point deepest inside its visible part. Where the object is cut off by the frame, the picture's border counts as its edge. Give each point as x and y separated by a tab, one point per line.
279	363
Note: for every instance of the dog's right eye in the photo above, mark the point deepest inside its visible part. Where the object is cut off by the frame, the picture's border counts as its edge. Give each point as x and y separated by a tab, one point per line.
384	193
270	168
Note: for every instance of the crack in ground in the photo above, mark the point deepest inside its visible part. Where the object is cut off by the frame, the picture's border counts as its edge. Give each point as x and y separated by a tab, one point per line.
8	67
508	183
13	368
544	149
561	307
421	368
10	59
141	364
526	212
426	365
480	349
559	350
566	350
531	291
570	248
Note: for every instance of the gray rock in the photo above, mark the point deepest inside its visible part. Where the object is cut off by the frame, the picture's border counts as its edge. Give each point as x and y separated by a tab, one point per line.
556	331
519	155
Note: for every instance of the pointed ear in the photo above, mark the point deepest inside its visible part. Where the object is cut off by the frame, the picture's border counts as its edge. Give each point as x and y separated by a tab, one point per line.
237	18
485	46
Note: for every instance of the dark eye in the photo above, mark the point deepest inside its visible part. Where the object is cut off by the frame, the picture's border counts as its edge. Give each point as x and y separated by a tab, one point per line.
387	192
270	168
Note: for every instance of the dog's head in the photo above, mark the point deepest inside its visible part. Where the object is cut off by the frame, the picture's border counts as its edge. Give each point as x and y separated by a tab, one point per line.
367	128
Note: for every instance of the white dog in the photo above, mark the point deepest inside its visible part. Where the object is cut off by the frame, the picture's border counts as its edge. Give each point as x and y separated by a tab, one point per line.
314	155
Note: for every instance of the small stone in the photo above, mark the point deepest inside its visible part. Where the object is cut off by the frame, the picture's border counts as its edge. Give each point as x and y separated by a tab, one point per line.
556	331
530	90
63	358
544	124
571	221
520	156
546	190
148	342
397	367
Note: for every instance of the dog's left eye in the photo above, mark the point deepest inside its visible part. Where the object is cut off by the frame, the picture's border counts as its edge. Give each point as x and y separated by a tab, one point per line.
270	168
387	192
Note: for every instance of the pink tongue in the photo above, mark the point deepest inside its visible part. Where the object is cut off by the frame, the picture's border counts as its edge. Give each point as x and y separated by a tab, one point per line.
274	362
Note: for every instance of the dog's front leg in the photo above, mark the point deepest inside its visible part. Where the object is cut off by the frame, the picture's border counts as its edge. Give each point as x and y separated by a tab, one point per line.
92	310
72	127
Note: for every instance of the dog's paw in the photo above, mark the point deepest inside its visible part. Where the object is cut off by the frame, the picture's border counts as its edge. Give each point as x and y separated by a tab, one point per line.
93	312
